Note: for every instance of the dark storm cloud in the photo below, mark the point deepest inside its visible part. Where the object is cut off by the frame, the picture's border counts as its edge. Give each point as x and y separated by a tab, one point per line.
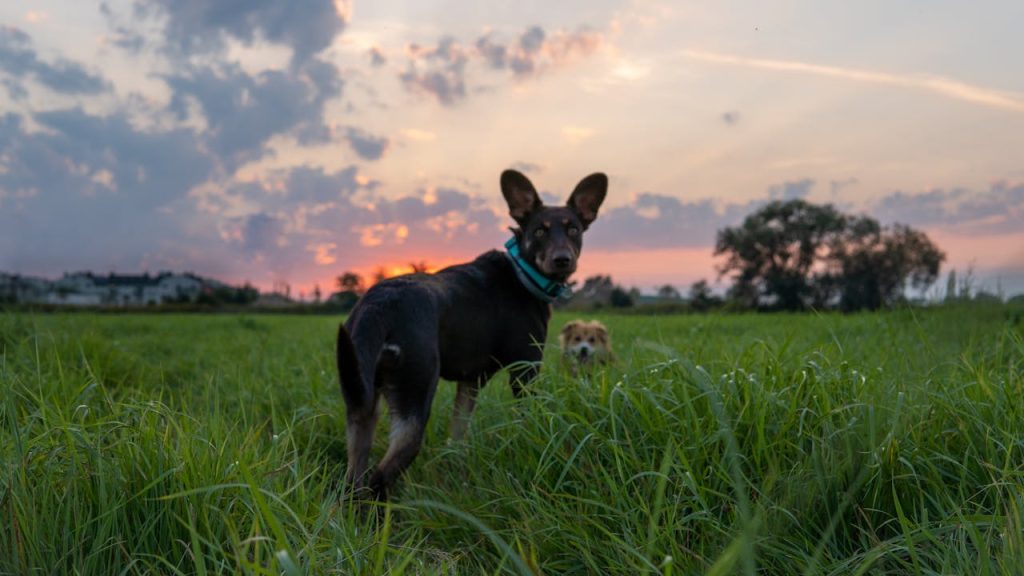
242	111
202	26
19	59
366	145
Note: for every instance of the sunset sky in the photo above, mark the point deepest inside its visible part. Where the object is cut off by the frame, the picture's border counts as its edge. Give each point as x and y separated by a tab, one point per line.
276	141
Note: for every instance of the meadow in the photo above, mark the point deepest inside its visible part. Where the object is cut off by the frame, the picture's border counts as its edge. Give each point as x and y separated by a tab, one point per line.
888	443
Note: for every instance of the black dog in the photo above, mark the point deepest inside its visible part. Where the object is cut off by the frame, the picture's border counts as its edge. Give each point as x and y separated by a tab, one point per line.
463	323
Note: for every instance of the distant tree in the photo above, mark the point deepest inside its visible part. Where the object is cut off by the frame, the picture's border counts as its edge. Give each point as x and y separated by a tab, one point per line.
874	265
380	274
595	286
316	294
418	267
771	255
350	282
701	297
668	292
1016	299
620	298
951	285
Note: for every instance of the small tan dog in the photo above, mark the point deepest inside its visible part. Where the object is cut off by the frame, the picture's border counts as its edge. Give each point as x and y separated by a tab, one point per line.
585	344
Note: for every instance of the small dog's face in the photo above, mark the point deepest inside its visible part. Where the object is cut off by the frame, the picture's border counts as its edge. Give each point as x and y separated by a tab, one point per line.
551	237
585	341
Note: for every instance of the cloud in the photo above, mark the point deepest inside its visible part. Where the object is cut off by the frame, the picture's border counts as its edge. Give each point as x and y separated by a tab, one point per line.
18	59
576	134
947	87
536	51
419	135
441	71
528	167
96	192
377	57
438	71
791	190
242	112
1000	209
199	26
366	145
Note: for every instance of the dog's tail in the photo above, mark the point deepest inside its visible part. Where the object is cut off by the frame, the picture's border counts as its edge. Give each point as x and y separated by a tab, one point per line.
353	387
357	367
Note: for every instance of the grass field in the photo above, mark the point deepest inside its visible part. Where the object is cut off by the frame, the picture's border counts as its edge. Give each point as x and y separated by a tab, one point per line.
213	444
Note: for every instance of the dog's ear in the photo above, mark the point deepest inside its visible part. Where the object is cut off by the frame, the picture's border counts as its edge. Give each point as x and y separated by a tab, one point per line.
570	326
520	195
588	196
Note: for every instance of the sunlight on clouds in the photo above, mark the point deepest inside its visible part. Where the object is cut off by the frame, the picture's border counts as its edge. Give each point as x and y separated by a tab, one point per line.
376	234
36	16
323	253
576	134
936	84
418	135
344	10
630	71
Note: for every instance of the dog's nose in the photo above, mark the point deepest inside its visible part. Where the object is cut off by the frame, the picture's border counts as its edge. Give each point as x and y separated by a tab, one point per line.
562	261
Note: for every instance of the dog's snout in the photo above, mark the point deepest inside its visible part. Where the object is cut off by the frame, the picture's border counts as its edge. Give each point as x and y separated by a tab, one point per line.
562	260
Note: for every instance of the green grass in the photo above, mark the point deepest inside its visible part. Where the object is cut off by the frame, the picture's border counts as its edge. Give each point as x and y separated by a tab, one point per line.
872	444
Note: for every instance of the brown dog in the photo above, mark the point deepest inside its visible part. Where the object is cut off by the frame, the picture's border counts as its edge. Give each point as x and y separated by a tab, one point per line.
585	344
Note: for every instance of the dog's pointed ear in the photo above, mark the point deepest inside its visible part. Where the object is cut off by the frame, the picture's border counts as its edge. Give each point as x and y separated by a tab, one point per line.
569	326
588	196
520	195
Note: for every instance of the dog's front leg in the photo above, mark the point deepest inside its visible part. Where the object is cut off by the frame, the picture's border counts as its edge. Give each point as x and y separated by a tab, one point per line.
465	402
519	376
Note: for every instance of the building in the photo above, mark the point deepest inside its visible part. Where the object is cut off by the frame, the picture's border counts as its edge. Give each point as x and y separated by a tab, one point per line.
88	289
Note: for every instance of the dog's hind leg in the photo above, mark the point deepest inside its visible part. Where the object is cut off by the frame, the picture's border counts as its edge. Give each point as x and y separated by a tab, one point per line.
359	431
465	401
409	397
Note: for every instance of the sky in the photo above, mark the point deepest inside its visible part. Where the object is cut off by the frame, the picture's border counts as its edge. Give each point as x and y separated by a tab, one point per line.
286	142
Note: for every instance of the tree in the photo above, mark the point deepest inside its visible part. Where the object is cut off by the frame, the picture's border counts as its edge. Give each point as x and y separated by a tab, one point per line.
350	282
771	255
418	267
701	297
317	294
621	298
668	292
793	254
874	269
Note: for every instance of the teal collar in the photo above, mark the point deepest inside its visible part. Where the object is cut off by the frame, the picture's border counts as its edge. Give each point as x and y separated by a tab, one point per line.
535	283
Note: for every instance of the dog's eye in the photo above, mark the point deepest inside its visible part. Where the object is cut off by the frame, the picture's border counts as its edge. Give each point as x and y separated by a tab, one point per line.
576	339
539	232
591	340
573	231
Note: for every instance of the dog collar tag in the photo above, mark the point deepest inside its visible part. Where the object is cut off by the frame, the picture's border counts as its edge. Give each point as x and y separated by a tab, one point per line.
535	283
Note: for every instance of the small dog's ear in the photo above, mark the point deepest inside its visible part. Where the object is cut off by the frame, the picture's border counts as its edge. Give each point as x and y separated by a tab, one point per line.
520	195
588	196
570	326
